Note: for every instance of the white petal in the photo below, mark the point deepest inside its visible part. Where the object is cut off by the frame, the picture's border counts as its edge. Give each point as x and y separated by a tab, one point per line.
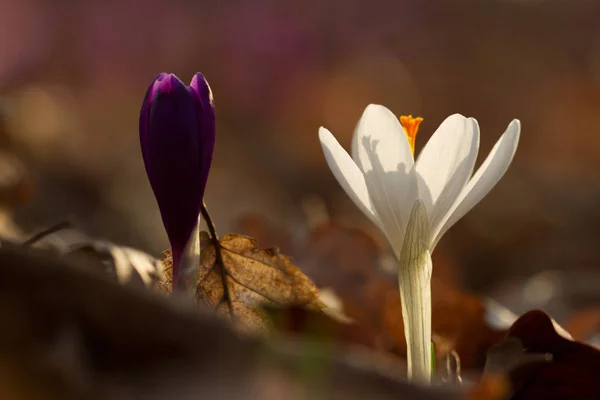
446	164
354	149
383	153
380	131
486	177
347	174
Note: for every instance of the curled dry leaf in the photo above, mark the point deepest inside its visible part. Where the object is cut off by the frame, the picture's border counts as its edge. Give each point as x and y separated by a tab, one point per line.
236	278
124	263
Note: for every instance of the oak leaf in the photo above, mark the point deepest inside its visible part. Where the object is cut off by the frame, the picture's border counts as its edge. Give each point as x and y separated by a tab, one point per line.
237	278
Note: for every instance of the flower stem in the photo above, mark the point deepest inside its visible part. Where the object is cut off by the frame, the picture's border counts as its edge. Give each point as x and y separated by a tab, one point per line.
190	260
414	279
189	264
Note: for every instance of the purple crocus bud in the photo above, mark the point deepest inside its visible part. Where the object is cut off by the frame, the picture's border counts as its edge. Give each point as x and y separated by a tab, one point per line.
177	135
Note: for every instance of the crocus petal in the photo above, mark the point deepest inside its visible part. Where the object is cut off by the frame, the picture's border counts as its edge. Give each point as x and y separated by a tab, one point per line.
354	149
172	147
347	174
446	164
486	177
203	97
384	155
144	115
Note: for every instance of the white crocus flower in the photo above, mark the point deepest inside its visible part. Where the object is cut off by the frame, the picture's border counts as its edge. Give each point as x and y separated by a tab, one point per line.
415	202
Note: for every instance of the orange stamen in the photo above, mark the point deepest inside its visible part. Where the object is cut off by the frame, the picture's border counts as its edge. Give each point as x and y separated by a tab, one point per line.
411	127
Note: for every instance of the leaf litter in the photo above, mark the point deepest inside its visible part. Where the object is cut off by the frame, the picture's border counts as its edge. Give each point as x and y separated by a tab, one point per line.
259	289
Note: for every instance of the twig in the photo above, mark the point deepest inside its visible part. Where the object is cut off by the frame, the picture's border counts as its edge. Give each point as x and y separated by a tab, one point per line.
47	232
211	225
214	237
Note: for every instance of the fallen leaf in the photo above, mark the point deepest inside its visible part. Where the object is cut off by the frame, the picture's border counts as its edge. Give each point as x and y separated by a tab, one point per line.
126	264
237	279
572	373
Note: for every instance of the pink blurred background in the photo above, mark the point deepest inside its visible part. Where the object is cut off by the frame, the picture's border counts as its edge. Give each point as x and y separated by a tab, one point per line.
73	74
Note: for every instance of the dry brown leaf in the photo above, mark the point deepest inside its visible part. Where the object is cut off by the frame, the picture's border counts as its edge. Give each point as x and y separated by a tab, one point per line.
572	373
249	278
126	264
241	278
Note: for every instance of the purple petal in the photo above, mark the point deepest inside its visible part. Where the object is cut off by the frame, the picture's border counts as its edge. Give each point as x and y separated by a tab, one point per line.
144	114
172	148
177	136
201	92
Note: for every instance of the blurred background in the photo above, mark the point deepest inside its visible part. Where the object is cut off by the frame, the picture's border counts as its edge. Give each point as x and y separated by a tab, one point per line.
73	75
